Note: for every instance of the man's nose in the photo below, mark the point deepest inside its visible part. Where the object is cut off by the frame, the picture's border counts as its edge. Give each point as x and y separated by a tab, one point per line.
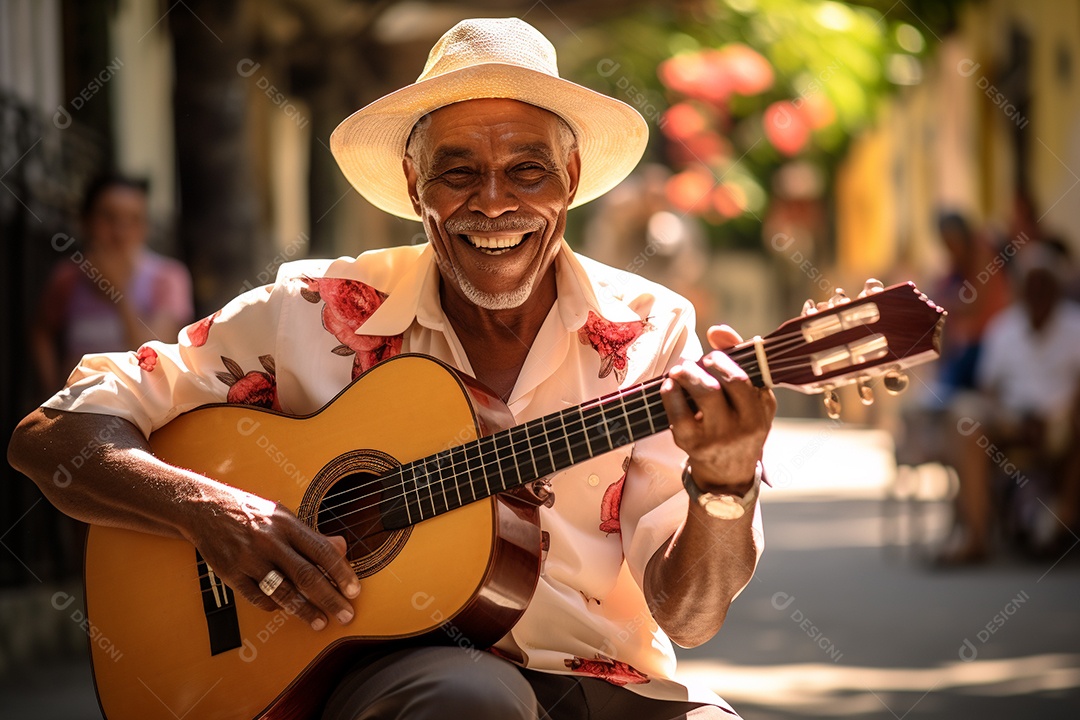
494	196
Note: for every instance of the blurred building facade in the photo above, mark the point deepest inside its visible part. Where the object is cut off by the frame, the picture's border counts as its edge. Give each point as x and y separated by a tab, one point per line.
993	117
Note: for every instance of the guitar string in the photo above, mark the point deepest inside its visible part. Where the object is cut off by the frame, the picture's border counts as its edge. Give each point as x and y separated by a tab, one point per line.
545	437
454	470
746	351
486	461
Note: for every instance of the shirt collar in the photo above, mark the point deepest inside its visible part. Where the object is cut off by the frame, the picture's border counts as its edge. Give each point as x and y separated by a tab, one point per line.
416	295
583	285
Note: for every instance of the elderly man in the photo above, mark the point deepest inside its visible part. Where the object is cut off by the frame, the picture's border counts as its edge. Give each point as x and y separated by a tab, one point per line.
646	543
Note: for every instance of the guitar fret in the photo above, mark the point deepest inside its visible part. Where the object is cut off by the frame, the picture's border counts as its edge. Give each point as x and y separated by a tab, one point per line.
649	415
406	491
636	405
454	470
520	445
559	459
534	432
470	470
585	434
417	473
566	436
444	456
484	466
629	425
604	425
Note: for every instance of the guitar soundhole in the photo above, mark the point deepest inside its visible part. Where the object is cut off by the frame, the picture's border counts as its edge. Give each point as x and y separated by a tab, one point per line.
345	498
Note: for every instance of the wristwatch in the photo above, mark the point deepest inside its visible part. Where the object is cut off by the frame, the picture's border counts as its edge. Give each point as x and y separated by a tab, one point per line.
725	506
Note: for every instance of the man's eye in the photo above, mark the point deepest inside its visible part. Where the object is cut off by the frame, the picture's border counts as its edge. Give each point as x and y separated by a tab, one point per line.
531	169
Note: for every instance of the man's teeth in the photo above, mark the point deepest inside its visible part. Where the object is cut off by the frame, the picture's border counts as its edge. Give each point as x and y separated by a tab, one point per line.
495	244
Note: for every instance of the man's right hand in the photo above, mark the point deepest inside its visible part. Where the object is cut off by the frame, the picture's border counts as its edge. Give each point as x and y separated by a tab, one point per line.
244	537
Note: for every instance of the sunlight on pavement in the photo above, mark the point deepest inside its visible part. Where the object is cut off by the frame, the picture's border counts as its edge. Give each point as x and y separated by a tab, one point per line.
835	690
819	459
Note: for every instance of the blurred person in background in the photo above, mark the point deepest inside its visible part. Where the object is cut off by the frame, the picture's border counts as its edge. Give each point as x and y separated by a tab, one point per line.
1020	449
112	293
972	295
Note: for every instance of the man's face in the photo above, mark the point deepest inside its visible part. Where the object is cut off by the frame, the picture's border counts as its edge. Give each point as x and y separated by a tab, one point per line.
491	182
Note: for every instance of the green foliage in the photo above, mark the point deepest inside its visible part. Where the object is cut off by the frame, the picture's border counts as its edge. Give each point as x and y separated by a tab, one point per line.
734	89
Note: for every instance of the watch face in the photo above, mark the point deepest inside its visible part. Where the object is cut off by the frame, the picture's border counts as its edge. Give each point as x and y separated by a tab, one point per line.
725	507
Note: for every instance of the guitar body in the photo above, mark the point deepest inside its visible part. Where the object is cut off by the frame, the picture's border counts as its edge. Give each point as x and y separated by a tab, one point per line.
168	643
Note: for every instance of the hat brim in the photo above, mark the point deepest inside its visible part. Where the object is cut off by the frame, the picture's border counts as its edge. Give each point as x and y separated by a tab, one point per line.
369	144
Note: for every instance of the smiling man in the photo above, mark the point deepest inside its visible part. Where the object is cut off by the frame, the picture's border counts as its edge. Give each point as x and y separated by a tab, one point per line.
643	545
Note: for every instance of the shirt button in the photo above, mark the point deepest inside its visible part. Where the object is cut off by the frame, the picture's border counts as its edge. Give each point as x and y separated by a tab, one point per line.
594	479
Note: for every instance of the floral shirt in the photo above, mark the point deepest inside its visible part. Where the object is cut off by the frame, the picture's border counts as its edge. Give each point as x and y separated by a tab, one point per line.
292	346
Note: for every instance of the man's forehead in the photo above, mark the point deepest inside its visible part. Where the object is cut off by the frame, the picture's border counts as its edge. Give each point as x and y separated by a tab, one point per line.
480	114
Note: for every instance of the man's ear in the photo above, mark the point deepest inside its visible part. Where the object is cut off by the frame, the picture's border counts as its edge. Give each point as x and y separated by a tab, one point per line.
411	177
573	169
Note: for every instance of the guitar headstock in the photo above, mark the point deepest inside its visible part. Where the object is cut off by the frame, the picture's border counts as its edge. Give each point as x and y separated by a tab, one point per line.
881	333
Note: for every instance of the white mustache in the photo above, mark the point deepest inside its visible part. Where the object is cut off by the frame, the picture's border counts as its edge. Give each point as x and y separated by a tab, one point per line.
513	223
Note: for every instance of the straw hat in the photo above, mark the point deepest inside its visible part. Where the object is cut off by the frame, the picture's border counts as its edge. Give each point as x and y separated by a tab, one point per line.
487	58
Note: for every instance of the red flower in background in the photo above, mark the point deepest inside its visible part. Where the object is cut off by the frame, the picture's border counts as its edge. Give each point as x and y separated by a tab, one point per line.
786	127
683	121
615	672
747	70
251	388
729	200
714	75
817	111
689	190
347	305
147	357
611	339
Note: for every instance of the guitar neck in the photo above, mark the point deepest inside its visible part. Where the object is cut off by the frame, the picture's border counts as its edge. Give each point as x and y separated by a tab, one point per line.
510	458
882	332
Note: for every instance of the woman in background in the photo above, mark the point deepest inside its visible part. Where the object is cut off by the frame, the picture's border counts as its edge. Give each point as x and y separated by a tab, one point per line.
113	294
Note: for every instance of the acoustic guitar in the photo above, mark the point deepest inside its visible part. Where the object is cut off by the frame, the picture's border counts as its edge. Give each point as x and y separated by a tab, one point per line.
409	456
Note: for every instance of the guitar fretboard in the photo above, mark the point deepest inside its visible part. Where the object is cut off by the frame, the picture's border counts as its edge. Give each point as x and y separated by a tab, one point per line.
504	460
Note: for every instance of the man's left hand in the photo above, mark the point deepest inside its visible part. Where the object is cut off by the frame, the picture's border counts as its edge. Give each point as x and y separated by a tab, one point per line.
725	436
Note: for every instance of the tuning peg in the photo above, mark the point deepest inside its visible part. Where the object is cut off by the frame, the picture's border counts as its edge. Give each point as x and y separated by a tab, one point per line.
839	298
866	393
895	382
809	307
871	286
832	404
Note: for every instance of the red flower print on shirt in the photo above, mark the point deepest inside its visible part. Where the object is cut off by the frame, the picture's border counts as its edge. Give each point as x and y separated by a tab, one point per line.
252	388
615	672
347	305
199	332
147	357
609	506
611	339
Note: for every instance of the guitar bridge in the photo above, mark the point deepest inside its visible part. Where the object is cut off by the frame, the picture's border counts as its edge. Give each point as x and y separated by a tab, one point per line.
220	607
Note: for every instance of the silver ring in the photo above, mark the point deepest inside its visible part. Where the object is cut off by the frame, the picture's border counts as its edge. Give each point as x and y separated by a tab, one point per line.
270	583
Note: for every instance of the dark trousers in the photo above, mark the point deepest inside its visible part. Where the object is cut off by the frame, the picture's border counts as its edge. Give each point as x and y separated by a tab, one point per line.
448	682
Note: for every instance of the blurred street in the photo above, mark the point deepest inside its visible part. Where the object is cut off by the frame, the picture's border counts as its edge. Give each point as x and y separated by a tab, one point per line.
843	618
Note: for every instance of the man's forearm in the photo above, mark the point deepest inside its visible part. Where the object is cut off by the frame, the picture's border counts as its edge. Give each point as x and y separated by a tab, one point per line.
691	580
99	469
